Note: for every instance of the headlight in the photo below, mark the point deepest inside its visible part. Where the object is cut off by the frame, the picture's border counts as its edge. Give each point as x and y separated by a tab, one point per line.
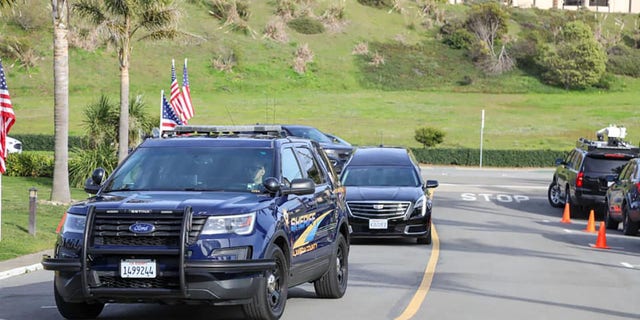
420	207
238	224
73	223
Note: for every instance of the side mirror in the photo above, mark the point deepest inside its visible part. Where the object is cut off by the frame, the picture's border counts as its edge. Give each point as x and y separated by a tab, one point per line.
93	184
559	161
272	185
431	184
300	187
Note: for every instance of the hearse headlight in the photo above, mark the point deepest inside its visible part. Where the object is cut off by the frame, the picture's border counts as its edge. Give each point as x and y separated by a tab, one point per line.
420	207
241	224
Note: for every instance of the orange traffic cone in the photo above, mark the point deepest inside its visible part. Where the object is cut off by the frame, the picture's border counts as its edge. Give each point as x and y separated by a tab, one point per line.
601	242
591	224
566	215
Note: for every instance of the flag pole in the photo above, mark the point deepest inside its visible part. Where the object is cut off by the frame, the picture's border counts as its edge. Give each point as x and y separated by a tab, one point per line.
161	95
0	207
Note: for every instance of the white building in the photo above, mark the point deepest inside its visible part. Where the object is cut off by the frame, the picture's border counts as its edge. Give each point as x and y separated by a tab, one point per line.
622	6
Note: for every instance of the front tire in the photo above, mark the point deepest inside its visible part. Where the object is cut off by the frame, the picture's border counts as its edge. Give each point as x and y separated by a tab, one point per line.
554	196
629	227
76	310
609	222
333	284
426	239
269	301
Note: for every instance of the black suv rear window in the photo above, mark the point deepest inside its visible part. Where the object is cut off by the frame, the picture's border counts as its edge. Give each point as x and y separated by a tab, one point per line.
603	165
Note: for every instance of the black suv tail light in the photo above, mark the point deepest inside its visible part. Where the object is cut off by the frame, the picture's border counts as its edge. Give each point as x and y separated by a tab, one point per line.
580	179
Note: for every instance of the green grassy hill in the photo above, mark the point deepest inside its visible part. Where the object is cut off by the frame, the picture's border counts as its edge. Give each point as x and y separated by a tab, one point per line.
418	85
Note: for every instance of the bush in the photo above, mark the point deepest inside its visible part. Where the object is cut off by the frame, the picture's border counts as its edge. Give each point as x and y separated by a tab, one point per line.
306	25
30	164
380	4
624	61
490	158
45	142
429	137
85	161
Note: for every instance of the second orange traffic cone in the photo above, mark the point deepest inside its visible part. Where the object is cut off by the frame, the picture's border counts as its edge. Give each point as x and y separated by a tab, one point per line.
566	215
591	224
601	241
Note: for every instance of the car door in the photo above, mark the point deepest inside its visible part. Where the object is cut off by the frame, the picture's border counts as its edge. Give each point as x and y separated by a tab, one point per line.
622	183
564	171
299	215
325	220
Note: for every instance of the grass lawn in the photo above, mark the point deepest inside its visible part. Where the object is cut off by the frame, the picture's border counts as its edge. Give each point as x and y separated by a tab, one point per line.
16	240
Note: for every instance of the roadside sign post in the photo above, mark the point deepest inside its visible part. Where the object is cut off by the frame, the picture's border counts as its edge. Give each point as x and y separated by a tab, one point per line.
481	136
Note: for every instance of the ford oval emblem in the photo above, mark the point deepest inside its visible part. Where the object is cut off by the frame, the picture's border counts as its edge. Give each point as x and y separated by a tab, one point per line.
142	228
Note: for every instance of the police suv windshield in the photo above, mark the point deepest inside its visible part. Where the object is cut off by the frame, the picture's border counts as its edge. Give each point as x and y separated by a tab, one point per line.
194	169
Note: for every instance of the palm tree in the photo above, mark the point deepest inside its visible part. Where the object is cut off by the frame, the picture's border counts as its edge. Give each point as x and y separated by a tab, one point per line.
60	191
121	20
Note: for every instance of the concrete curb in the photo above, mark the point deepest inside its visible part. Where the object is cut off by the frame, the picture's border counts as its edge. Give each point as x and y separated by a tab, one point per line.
21	265
20	270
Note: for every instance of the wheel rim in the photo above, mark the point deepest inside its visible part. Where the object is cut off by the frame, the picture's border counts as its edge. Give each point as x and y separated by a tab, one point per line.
340	266
554	195
274	286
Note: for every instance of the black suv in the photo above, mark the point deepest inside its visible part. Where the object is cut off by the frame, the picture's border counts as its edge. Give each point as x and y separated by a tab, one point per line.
206	215
337	151
386	195
582	178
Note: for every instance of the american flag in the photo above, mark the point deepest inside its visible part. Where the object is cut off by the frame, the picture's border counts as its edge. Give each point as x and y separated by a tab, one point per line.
177	99
186	92
169	118
8	118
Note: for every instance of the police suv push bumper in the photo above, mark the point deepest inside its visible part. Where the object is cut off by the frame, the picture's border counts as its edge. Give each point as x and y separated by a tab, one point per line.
174	278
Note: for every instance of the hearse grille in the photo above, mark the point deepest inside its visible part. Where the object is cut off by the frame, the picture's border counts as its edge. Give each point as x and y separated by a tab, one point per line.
378	209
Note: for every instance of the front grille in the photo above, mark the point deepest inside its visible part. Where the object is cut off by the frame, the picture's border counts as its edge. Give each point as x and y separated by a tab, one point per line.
110	240
378	209
113	229
152	283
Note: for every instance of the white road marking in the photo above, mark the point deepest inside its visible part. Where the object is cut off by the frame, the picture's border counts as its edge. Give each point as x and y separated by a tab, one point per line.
492	186
567	230
48	307
628	265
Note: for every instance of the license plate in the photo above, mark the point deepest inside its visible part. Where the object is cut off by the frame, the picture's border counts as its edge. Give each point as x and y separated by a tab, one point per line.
378	224
137	268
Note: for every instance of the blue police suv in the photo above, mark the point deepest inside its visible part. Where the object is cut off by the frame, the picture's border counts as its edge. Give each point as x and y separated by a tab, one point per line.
206	215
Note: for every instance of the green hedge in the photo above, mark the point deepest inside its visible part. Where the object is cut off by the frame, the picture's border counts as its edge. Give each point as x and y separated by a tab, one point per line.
490	158
30	164
44	142
40	164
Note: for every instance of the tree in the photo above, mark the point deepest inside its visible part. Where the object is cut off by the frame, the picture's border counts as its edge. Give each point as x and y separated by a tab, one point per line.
120	20
488	23
577	61
60	191
101	130
429	137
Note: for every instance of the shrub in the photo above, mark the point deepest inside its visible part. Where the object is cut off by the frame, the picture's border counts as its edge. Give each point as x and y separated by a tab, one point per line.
45	142
429	137
576	62
380	4
624	61
84	161
30	164
306	25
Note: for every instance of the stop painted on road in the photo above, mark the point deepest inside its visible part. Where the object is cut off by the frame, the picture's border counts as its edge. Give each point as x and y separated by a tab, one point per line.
493	196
